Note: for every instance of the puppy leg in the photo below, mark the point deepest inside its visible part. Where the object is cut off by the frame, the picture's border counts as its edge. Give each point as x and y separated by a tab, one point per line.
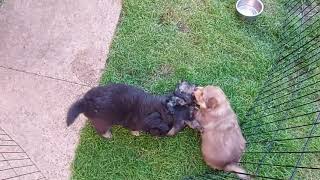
135	133
103	127
176	128
240	172
195	125
172	132
108	134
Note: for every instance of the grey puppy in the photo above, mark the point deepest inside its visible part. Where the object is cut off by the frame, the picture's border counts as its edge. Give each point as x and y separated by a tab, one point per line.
182	105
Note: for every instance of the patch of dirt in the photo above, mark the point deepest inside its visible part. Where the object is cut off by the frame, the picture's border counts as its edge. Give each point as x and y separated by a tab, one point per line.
204	2
170	17
82	70
167	17
165	70
196	39
183	27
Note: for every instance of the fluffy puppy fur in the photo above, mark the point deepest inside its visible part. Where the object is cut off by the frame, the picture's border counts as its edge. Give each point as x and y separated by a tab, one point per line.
181	105
222	140
125	105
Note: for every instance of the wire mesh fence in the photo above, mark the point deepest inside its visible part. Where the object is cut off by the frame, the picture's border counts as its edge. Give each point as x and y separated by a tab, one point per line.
15	164
282	127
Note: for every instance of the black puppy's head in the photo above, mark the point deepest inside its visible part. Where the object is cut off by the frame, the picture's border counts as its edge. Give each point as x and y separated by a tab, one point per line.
182	99
181	105
184	90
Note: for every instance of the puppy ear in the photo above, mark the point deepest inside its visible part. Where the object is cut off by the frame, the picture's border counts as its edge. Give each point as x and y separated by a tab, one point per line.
198	95
212	103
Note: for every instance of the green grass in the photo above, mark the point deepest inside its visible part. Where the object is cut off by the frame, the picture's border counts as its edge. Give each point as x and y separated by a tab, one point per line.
158	43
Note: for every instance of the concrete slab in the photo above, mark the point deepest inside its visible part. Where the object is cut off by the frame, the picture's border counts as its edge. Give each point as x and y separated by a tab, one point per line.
5	174
48	48
4	165
65	39
33	111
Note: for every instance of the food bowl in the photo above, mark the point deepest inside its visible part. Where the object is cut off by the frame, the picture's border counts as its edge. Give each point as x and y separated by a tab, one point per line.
249	9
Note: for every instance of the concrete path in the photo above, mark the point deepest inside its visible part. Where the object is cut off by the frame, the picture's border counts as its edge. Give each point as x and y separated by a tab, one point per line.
50	53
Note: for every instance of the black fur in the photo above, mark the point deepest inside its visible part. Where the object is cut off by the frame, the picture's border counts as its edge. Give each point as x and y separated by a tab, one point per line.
74	111
125	105
181	105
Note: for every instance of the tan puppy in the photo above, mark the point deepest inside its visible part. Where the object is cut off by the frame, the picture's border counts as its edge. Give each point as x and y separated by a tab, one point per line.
222	140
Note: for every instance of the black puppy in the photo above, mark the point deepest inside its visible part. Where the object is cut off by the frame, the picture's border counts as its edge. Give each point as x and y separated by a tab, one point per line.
125	105
181	105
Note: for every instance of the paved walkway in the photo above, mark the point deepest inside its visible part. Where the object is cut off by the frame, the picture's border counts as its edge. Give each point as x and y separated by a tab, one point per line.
50	53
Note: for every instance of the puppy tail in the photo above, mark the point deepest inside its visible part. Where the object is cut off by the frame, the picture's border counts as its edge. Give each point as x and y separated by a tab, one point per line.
74	111
241	173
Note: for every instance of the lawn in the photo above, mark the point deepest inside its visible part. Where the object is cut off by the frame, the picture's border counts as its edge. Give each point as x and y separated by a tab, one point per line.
160	42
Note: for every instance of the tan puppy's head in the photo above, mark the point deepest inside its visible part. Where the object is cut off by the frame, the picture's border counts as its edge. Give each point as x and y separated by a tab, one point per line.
209	97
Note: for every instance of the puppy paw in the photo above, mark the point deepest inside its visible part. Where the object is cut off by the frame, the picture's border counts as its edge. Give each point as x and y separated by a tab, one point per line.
107	135
135	133
172	132
200	129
